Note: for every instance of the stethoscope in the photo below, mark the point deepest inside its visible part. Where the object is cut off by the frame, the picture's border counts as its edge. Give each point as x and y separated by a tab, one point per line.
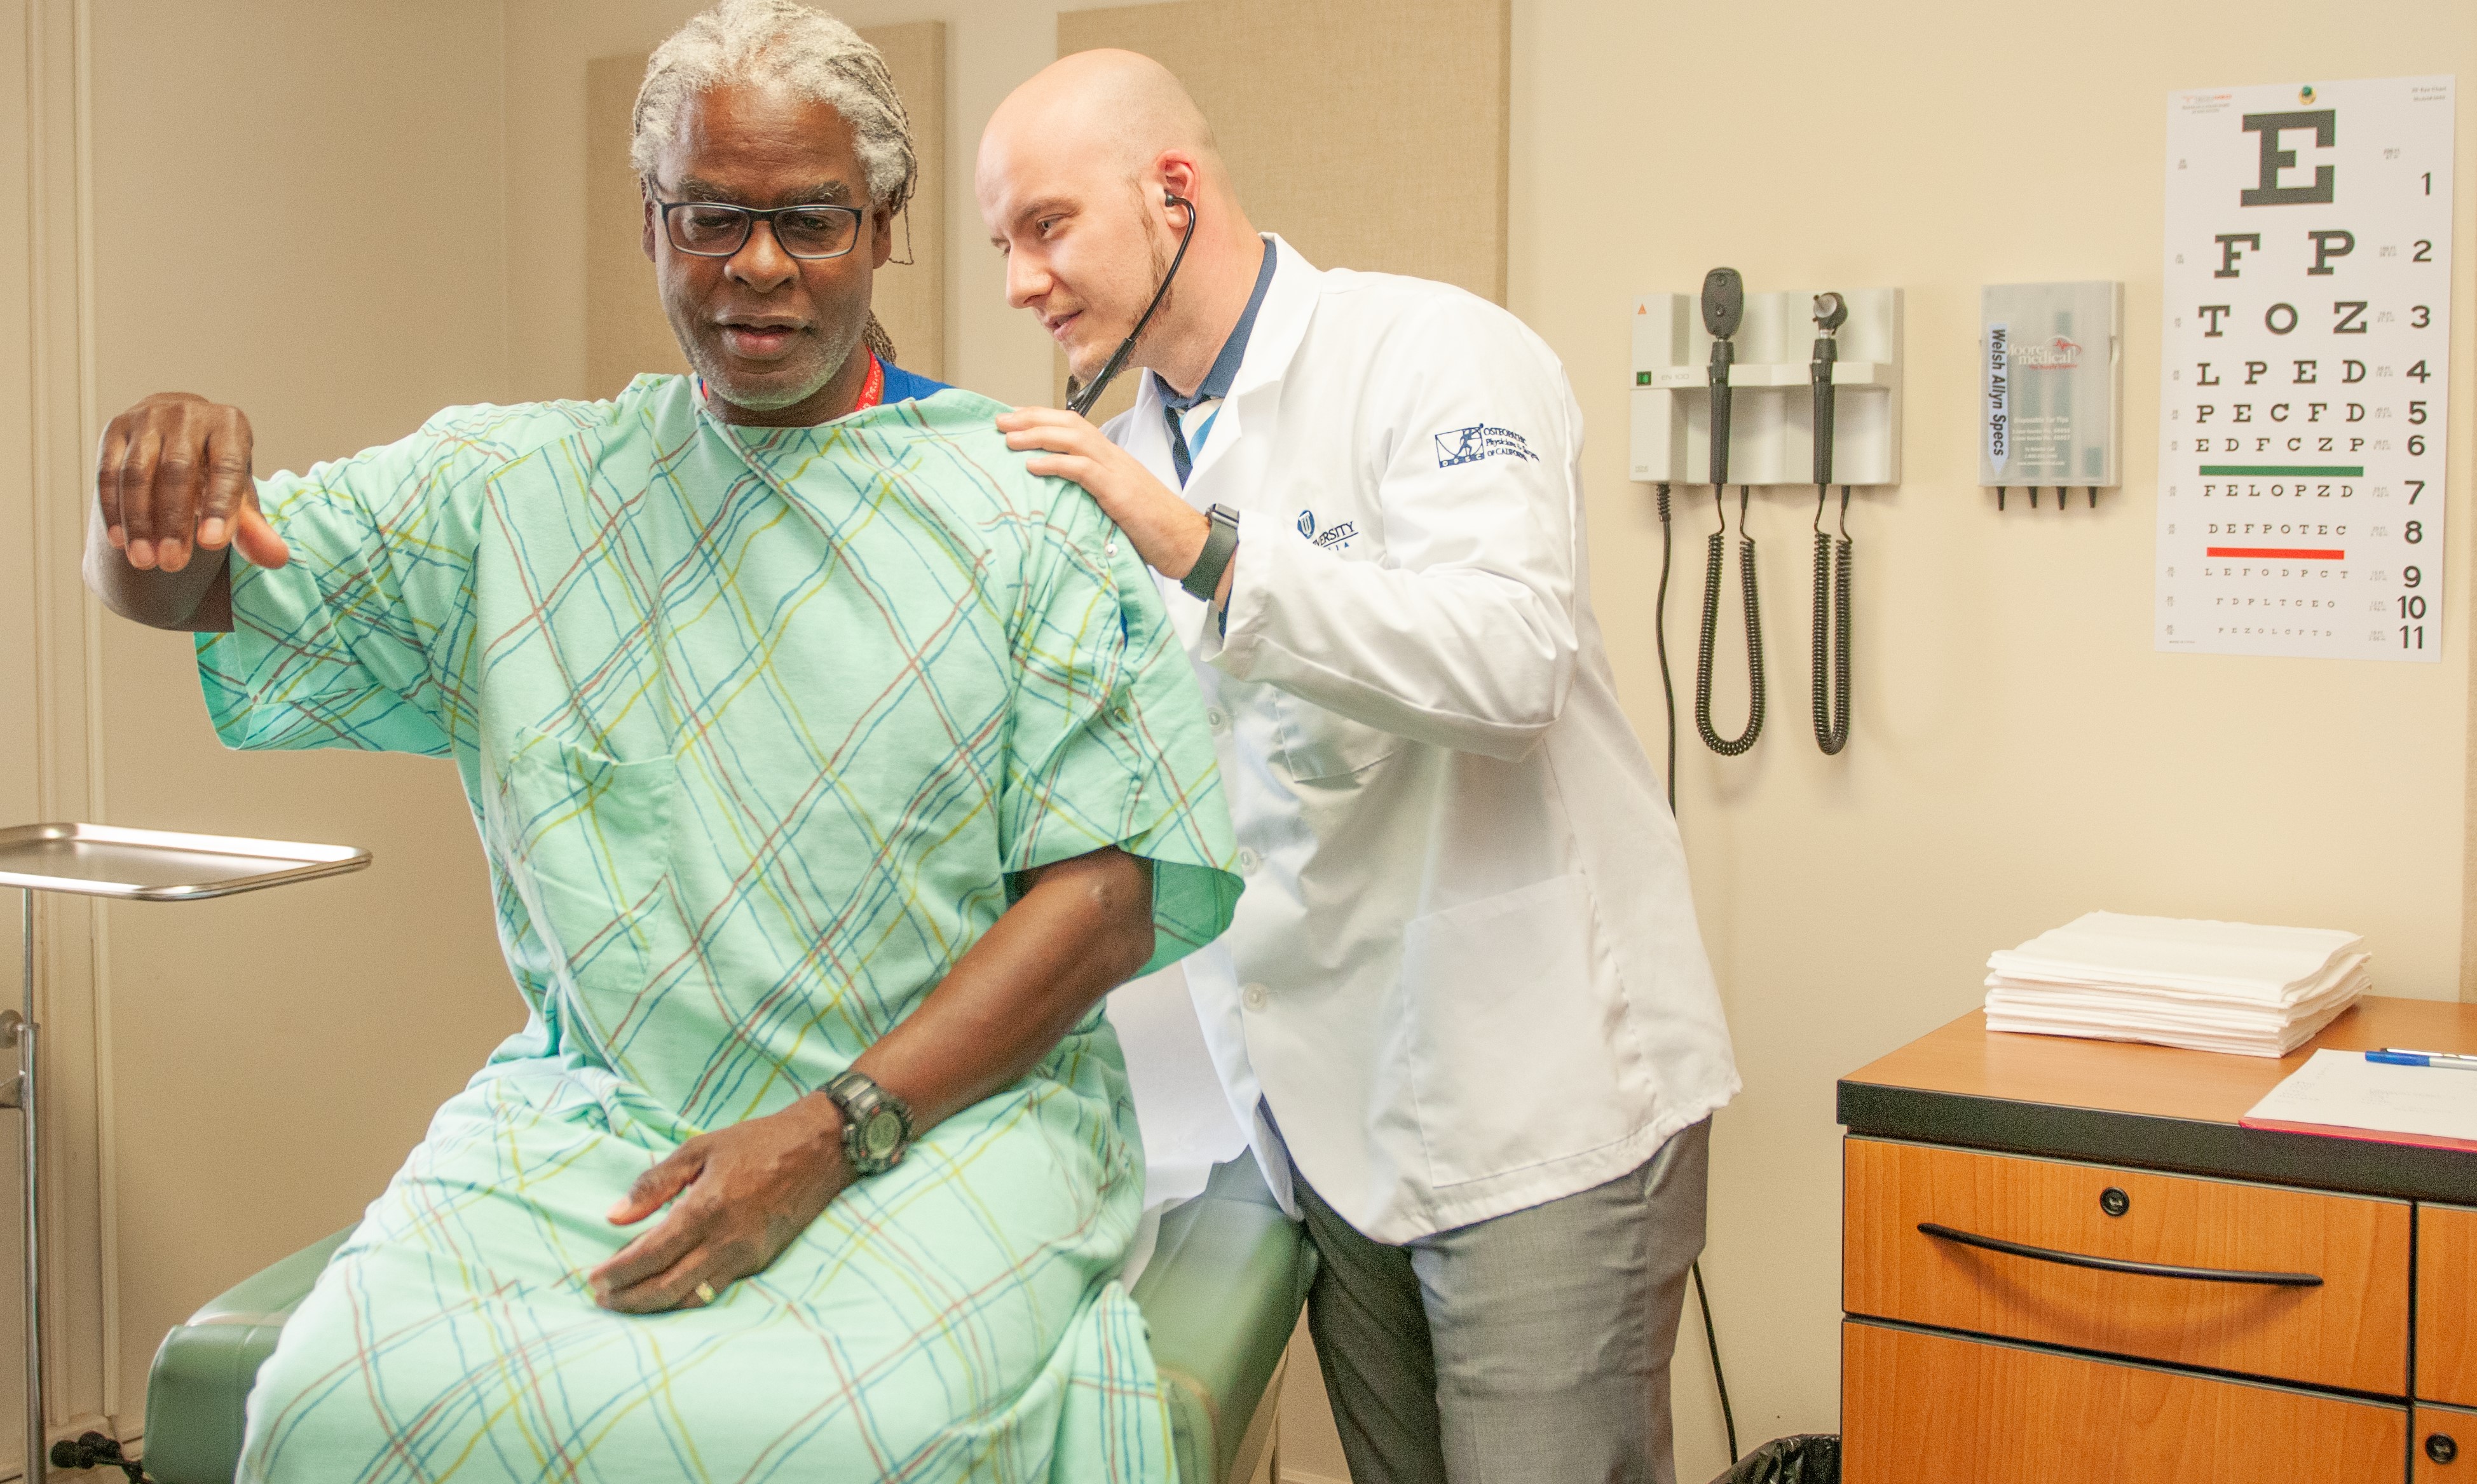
1082	401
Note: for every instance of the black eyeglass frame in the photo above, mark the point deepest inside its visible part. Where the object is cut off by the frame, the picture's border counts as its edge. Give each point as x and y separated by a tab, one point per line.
750	215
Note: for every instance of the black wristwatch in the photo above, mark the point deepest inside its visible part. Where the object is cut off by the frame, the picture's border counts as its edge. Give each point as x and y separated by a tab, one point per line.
1204	579
877	1125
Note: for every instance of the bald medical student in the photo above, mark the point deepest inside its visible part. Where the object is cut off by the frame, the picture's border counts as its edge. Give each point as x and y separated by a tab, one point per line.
1464	1008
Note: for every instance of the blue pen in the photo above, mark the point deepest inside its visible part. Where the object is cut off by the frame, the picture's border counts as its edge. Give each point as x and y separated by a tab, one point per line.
2398	1056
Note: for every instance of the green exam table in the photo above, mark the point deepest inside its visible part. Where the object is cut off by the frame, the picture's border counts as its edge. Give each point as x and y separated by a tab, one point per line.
1222	1294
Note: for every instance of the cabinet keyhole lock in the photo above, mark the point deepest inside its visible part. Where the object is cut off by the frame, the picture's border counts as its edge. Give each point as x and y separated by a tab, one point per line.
2439	1446
2114	1202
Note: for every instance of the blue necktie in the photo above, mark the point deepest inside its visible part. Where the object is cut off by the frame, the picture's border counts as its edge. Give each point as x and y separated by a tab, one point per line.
1179	458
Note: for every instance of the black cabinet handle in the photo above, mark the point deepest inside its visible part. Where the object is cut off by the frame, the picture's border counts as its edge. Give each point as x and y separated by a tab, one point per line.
1944	1233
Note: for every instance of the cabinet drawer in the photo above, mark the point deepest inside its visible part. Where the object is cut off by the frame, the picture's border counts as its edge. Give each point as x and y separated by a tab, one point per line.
2446	1306
2442	1445
1936	1409
2349	1330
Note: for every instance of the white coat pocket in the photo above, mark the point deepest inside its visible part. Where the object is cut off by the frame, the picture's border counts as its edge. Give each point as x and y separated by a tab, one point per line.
1321	744
1514	1040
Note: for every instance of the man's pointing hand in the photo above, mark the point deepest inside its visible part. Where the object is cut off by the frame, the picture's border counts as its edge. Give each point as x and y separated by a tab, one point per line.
173	477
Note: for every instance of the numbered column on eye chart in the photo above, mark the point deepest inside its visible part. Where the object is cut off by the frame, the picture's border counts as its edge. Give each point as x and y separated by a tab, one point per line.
2307	311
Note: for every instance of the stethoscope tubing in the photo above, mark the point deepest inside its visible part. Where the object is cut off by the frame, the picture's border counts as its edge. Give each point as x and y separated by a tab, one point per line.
1082	402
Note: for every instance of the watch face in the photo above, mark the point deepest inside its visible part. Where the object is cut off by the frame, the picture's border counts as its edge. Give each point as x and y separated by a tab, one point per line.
882	1135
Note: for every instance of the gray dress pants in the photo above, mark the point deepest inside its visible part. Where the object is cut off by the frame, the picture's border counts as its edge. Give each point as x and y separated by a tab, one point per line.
1531	1346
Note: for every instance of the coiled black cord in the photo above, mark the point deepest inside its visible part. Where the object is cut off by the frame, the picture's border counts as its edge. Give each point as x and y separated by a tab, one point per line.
1731	747
97	1450
1659	630
1831	629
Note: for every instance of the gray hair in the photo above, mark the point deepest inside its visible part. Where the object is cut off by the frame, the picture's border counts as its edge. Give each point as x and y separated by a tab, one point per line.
783	43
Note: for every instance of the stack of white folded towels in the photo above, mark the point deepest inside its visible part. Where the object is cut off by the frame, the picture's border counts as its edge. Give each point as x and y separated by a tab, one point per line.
2202	986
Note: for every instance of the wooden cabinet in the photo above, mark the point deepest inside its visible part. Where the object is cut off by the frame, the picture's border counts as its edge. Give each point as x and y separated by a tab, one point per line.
2442	1445
2446	1306
2067	1261
1919	1406
1912	1211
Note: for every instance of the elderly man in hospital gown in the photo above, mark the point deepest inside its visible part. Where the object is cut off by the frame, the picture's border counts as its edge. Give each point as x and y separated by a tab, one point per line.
830	767
1463	1005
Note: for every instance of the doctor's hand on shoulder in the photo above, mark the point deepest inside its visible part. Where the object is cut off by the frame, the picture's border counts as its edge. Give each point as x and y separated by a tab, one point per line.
1167	531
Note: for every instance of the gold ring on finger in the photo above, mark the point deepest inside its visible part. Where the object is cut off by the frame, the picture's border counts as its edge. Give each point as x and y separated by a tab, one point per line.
705	1292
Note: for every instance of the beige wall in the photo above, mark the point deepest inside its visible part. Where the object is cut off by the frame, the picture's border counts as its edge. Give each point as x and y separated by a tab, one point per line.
2020	754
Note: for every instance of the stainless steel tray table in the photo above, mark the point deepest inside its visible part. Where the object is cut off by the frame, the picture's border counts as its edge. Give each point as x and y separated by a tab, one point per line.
125	864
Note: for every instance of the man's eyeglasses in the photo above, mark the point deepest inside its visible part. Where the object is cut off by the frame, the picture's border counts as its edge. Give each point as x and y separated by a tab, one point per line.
716	229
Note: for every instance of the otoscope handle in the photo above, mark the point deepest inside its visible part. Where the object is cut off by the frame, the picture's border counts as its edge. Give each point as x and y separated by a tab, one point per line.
1819	376
1723	356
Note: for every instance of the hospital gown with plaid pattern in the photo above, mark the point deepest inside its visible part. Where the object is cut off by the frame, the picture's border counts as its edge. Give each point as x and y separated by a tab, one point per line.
755	726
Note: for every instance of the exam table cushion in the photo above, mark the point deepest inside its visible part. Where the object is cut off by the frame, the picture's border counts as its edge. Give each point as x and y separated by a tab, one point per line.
203	1369
1221	1295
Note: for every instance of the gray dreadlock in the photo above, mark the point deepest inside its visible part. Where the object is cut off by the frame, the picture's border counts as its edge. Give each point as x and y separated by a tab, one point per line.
812	54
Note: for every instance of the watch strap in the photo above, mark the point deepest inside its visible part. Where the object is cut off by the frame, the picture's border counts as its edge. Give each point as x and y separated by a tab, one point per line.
1220	542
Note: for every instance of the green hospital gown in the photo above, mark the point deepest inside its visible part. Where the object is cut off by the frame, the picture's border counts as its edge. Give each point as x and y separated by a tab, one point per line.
755	724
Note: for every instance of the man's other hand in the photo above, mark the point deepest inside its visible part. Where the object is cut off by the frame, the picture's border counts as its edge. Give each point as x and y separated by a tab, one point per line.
172	477
743	1192
1167	531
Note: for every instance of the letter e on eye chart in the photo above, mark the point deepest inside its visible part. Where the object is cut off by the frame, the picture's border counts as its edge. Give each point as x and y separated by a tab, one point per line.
2307	333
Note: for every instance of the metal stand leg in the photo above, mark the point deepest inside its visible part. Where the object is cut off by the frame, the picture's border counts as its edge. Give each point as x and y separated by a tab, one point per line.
18	1027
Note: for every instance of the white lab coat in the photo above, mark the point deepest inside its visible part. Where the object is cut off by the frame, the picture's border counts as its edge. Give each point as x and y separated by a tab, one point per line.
1465	973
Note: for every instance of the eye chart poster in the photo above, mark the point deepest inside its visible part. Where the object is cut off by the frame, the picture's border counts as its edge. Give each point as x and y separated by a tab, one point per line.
2306	383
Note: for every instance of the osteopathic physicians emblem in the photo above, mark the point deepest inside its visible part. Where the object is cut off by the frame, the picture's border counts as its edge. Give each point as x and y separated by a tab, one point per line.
1469	445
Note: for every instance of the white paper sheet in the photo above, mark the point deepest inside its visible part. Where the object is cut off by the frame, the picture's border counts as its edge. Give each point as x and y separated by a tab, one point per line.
2175	1018
2225	959
2342	1090
1185	1117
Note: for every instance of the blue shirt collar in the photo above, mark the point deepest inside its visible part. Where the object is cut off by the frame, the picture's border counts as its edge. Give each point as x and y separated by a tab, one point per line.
1225	365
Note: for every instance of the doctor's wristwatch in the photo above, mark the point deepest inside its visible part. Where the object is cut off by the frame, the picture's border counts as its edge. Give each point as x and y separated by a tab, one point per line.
1220	543
877	1124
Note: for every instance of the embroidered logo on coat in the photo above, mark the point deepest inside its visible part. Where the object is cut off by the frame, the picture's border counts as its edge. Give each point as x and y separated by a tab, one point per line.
1329	537
1469	445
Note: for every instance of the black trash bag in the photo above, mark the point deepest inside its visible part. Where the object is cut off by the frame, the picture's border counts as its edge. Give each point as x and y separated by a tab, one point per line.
1809	1458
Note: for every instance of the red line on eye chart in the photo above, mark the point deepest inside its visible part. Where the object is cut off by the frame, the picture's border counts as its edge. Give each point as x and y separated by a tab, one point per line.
2281	553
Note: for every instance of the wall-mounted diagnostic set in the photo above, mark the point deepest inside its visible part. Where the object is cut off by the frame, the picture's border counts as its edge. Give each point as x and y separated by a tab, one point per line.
1722	394
2051	387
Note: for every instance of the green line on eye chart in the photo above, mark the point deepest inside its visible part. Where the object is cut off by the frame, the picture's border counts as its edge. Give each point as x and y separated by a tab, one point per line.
2334	471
